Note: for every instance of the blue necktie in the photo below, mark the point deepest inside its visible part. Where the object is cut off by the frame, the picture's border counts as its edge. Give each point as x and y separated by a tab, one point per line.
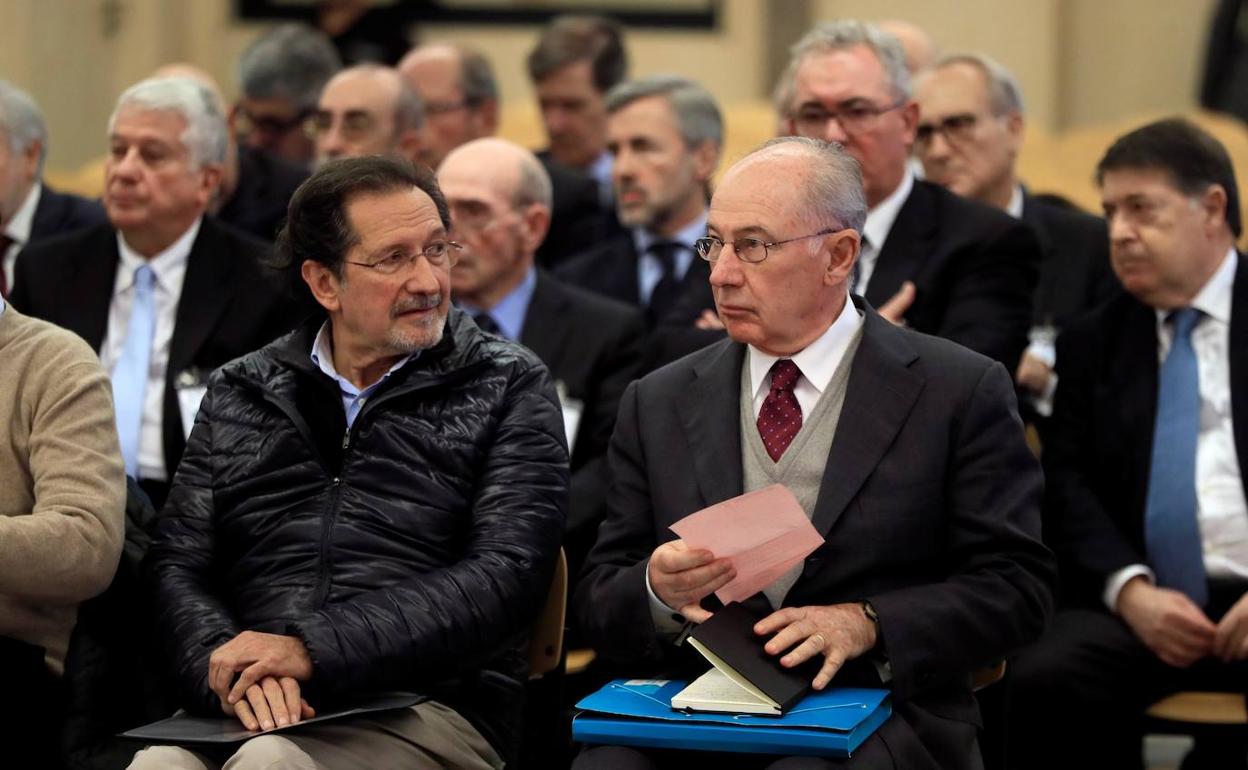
1172	532
130	371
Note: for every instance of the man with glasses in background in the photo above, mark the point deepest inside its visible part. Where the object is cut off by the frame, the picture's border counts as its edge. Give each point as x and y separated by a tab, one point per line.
371	503
367	109
904	451
939	263
969	134
280	77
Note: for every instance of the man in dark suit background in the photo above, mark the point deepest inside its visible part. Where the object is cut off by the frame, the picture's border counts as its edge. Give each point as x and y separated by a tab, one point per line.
665	134
499	197
164	293
950	267
30	211
1146	492
907	454
970	131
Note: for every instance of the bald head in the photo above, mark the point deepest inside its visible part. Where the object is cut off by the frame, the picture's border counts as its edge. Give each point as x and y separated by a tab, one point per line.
368	110
499	195
459	93
919	47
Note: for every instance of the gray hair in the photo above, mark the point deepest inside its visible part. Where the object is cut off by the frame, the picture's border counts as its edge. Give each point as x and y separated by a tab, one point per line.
1004	95
476	77
21	119
696	112
834	195
205	134
838	35
534	185
292	61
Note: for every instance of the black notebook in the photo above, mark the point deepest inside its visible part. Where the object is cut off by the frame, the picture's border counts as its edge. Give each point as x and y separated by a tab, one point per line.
745	679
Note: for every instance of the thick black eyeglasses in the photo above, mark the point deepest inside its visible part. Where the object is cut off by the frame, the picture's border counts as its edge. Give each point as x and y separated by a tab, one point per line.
747	249
955	128
438	254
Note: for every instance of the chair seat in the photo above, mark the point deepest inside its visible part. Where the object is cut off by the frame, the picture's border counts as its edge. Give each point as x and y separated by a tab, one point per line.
1209	708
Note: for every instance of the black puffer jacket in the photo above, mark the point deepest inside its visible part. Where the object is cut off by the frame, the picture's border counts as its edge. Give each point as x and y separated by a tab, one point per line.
410	552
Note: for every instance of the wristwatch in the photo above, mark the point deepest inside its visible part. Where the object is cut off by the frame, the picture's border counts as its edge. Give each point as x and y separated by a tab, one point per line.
871	614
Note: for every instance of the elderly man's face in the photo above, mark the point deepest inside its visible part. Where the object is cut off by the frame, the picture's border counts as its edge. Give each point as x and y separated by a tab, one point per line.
449	120
658	179
871	125
355	116
1159	237
962	144
379	315
782	304
574	114
150	184
17	173
275	126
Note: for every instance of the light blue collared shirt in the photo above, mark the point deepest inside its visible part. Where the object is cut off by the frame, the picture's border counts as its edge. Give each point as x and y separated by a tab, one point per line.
511	310
353	399
650	269
600	172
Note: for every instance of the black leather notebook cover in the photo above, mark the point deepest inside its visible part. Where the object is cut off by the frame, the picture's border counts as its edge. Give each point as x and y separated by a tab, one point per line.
729	633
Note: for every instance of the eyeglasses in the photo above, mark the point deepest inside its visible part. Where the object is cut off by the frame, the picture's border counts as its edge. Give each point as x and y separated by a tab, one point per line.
855	117
438	254
750	250
246	124
955	129
354	126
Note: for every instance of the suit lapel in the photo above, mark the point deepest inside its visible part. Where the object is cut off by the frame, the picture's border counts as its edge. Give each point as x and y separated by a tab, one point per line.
906	247
205	295
89	295
710	414
1239	367
1132	386
881	392
545	329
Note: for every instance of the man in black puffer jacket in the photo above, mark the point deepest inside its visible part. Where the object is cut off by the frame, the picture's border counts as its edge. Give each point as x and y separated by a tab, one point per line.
371	503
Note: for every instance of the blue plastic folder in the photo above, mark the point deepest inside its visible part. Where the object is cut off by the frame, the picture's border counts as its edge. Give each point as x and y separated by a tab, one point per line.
831	723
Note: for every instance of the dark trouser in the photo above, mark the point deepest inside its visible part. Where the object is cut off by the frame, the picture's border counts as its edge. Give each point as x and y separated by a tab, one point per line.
1078	696
30	712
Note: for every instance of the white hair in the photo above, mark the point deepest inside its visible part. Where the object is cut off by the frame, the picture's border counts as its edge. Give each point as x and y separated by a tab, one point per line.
205	135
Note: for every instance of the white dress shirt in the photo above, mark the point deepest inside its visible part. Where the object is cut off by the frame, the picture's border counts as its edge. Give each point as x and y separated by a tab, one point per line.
1221	508
169	267
879	223
18	231
817	362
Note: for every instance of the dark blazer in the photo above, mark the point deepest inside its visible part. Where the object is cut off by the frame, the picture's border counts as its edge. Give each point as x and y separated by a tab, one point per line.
930	506
1075	274
974	268
593	346
578	221
229	305
62	213
610	269
1098	449
265	186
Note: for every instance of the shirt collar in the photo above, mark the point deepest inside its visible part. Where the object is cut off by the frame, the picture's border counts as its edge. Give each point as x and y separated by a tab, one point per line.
511	310
643	239
600	169
19	226
323	357
1015	207
819	359
169	266
880	218
1214	298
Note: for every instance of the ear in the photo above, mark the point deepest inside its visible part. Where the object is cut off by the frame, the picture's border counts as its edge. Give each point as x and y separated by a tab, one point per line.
843	248
209	179
536	224
409	145
909	114
231	121
1214	203
705	160
30	161
487	117
323	284
1015	128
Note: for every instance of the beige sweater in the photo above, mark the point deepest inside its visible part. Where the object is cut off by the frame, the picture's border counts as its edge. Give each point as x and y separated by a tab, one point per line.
62	483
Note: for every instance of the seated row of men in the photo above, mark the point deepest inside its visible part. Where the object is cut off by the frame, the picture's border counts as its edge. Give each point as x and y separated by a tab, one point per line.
283	560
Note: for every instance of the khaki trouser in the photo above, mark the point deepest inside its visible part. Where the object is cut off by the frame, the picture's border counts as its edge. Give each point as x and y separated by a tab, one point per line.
427	735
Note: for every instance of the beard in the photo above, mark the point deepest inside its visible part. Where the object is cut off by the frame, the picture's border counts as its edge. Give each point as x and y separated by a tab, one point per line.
428	330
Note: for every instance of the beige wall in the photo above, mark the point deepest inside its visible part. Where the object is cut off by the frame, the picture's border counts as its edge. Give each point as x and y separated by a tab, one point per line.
1080	62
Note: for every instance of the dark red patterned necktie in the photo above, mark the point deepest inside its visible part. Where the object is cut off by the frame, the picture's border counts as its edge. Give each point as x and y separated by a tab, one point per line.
781	416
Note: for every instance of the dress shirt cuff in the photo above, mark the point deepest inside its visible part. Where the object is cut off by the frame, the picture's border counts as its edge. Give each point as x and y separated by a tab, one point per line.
1043	347
1043	403
667	622
1113	586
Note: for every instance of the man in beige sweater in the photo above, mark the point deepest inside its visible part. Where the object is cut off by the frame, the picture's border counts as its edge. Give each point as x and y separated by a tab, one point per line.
62	501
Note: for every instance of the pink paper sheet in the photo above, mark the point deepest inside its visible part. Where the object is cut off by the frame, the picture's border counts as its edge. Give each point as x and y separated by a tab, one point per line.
764	532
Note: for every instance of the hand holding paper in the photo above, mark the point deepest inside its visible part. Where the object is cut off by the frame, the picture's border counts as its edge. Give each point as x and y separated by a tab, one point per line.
763	533
681	577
